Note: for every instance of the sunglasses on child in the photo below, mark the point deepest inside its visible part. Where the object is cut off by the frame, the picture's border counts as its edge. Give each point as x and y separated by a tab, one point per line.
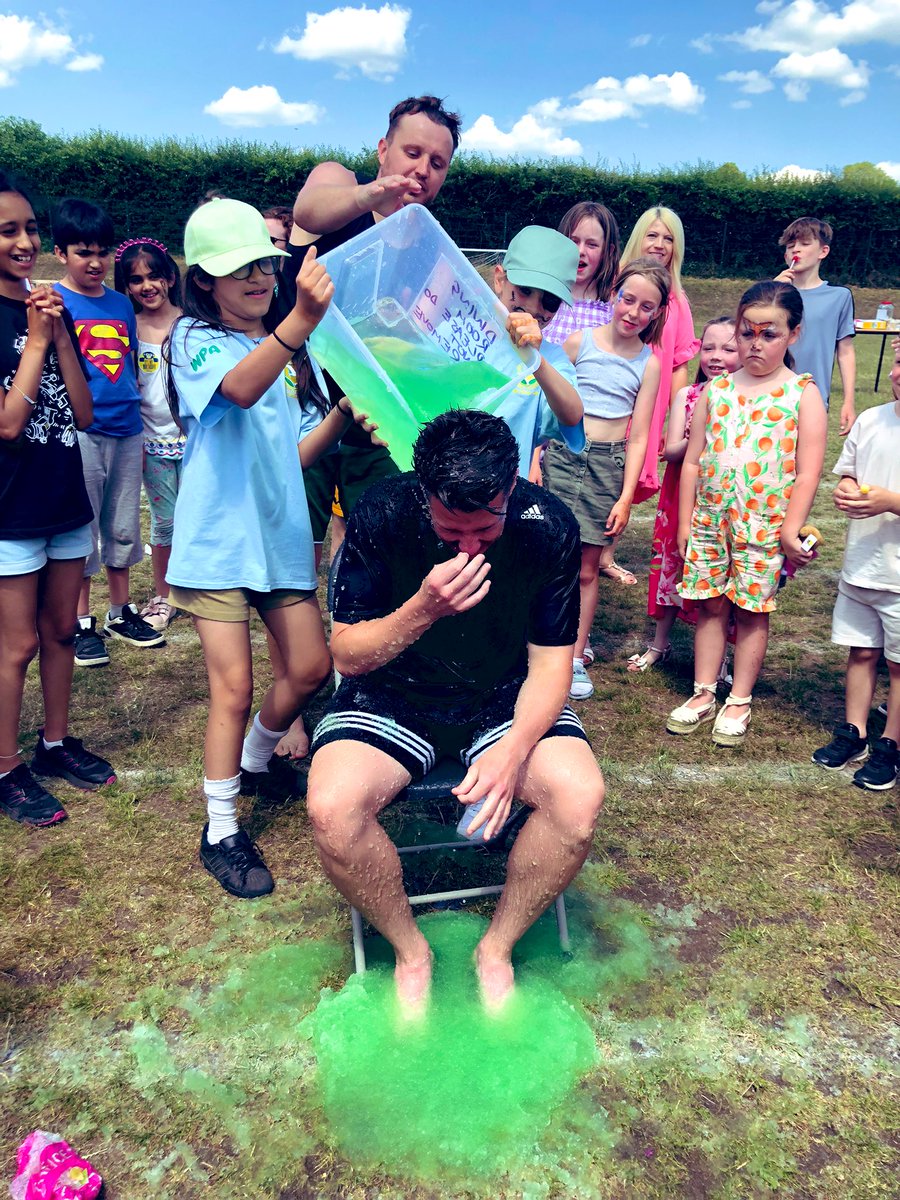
268	266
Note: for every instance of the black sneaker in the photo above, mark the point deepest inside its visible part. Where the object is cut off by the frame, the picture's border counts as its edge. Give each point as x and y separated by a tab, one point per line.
132	628
880	772
23	799
280	782
845	747
90	650
237	864
72	762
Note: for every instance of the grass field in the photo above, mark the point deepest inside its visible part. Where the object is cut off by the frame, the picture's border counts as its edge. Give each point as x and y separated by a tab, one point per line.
735	954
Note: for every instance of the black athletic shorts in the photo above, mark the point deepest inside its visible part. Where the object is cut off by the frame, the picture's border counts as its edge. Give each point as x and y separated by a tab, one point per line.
416	735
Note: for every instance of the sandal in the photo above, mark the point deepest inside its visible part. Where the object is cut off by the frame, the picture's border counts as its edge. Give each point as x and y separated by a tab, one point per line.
641	663
621	574
687	719
731	731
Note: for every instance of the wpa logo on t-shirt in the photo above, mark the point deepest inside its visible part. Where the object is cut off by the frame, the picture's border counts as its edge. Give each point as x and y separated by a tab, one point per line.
105	344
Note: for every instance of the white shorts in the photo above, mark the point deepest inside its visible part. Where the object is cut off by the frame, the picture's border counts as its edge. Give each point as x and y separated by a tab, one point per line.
24	555
867	618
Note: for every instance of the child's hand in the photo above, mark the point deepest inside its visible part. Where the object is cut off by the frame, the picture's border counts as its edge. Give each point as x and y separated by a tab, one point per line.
361	419
682	539
866	500
48	300
524	330
785	276
41	320
794	552
618	517
314	289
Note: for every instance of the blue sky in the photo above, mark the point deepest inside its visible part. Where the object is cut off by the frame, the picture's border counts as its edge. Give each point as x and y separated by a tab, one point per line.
797	83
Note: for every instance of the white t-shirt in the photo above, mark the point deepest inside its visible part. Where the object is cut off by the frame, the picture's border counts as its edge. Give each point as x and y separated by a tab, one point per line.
871	454
162	437
241	519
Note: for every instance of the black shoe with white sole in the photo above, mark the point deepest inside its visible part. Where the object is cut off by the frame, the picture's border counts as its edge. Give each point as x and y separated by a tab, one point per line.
845	747
132	628
880	772
90	649
237	864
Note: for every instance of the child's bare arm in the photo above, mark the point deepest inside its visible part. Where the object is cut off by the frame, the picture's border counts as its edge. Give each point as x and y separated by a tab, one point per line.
812	433
572	345
18	401
330	430
690	473
562	396
254	375
676	438
846	361
636	450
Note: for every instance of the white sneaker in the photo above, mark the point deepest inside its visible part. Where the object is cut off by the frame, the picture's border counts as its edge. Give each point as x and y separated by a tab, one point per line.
581	686
588	656
158	613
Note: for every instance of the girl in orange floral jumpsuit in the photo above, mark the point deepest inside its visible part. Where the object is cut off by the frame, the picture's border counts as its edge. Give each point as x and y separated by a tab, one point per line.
749	479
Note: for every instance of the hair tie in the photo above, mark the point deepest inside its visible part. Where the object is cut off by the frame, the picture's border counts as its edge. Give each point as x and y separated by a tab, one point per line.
141	241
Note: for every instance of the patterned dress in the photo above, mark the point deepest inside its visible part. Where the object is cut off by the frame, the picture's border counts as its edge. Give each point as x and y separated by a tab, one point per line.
666	564
747	472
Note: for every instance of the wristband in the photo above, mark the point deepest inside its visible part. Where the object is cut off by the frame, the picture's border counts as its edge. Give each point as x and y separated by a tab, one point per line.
282	342
24	395
343	411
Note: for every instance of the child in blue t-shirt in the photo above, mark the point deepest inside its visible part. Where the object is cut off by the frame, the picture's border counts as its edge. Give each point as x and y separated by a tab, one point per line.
112	447
242	537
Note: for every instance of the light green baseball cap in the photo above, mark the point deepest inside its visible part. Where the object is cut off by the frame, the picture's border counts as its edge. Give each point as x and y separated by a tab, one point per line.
543	258
222	235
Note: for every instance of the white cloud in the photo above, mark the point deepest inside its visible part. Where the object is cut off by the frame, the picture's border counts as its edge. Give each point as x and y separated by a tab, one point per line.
752	83
794	172
27	43
890	168
610	99
824	66
796	90
371	40
704	43
253	107
852	98
642	39
742	104
85	62
815	26
528	135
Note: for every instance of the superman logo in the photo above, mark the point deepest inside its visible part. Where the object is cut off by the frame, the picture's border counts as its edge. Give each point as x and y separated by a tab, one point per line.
105	345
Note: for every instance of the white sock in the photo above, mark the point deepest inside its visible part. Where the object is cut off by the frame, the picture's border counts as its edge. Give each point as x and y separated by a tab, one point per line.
50	745
258	746
115	611
221	807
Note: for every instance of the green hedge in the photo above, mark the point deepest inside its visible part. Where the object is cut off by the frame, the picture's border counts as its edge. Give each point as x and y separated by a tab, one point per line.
732	221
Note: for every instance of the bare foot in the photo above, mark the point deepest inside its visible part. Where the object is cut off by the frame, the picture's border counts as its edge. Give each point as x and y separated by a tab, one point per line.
413	982
495	978
295	743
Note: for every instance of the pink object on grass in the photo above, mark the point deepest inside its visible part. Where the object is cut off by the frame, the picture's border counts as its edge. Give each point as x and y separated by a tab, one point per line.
49	1169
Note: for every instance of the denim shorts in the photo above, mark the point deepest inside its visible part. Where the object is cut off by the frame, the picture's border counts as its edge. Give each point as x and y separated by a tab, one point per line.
21	556
162	479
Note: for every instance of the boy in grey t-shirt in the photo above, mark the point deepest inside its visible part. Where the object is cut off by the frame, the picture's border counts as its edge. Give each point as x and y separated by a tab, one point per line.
827	330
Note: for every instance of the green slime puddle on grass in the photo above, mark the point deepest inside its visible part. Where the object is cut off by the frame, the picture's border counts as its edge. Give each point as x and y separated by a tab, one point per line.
460	1092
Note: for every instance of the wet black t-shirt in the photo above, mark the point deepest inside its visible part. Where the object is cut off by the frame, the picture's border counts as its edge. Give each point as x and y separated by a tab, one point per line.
534	598
42	488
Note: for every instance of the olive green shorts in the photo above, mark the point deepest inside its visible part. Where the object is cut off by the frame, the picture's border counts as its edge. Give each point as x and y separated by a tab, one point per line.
589	483
232	604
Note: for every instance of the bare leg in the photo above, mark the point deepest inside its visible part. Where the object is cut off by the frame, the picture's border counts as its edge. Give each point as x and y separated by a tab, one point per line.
226	650
561	781
709	644
892	724
589	585
59	585
295	743
349	784
18	646
750	645
862	675
159	556
662	629
84	597
303	661
117	578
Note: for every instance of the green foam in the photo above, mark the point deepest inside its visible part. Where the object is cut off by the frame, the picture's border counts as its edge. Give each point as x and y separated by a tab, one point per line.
459	1093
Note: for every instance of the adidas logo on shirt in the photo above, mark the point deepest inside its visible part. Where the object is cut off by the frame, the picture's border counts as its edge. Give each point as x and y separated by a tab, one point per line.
532	514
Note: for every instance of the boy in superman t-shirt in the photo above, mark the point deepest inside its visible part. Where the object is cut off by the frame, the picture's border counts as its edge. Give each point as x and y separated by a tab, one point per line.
111	448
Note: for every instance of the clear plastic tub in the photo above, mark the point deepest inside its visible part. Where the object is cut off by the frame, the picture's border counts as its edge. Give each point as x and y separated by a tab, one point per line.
414	330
